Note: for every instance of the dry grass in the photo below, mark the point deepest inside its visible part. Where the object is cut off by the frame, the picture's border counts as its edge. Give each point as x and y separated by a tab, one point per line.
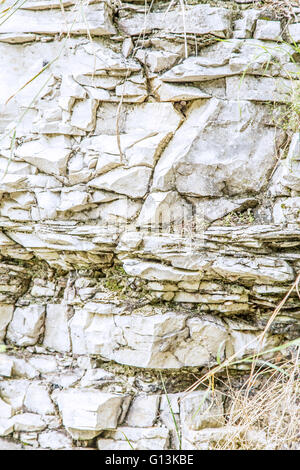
269	416
263	412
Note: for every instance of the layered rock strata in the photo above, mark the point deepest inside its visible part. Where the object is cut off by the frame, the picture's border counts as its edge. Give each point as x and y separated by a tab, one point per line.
149	214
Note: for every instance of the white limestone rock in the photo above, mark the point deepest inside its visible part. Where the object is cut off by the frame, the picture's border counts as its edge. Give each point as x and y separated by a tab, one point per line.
28	422
208	439
268	30
14	392
119	212
6	313
6	427
8	445
244	26
97	21
169	341
274	89
42	289
37	399
169	92
90	410
73	201
54	440
5	410
207	339
48	154
84	114
157	61
144	118
22	369
214	209
48	203
199	19
98	81
139	149
200	160
27	325
294	32
163	208
59	128
143	411
257	57
132	92
99	94
286	210
146	150
44	364
192	70
260	270
249	343
158	272
127	47
98	59
120	181
6	365
200	410
155	438
291	175
70	88
12	182
29	439
17	38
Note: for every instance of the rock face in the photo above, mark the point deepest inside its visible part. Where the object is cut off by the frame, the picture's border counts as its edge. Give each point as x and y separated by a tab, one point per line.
149	215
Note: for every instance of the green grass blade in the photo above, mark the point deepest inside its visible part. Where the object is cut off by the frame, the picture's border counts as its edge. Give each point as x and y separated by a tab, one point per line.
172	413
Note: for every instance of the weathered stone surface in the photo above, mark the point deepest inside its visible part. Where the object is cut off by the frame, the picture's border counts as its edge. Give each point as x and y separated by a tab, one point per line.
268	30
37	399
263	270
84	114
13	392
291	177
294	32
5	410
26	325
207	439
6	426
119	180
56	334
157	61
8	445
97	22
6	313
90	410
140	439
143	411
149	212
162	208
55	440
201	19
158	272
244	26
49	155
28	422
201	410
205	162
259	89
168	92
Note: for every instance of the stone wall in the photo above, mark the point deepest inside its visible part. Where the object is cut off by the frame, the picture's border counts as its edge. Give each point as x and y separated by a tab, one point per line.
149	213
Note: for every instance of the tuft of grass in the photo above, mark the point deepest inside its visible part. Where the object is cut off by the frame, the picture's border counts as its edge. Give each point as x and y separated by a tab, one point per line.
264	413
269	417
